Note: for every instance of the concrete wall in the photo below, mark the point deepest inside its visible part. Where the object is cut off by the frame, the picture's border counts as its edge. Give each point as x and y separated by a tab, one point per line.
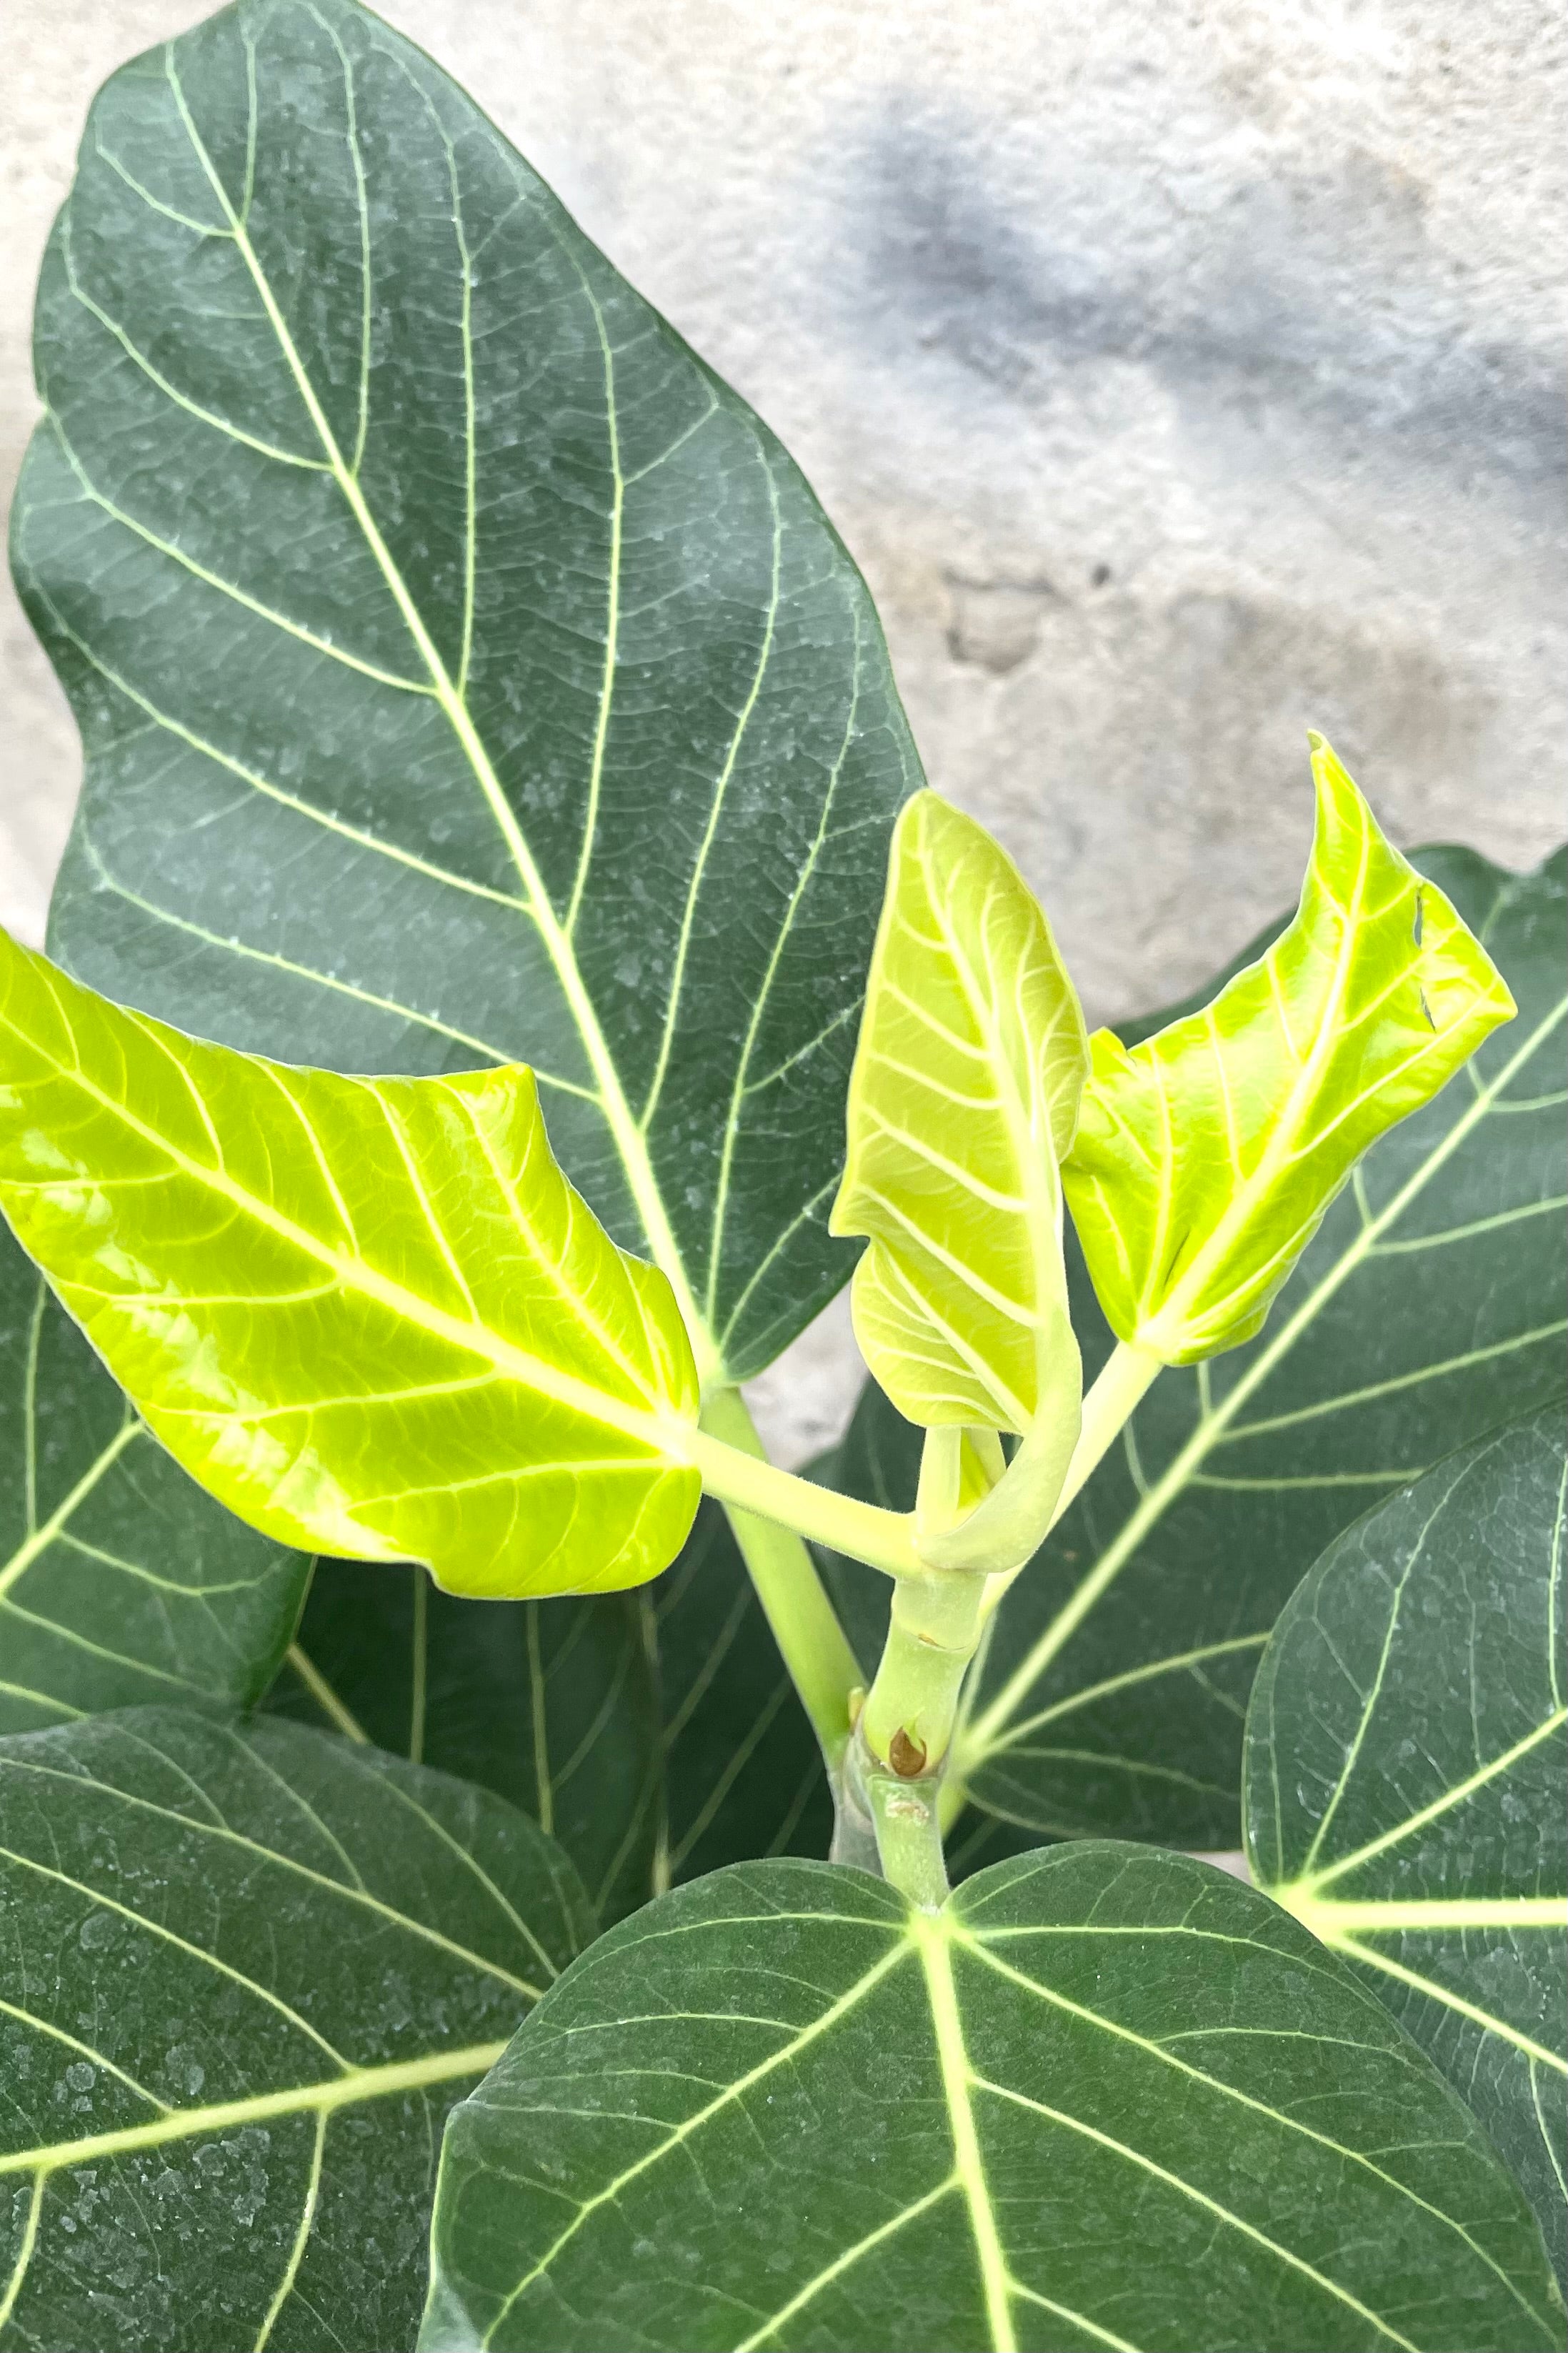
1181	375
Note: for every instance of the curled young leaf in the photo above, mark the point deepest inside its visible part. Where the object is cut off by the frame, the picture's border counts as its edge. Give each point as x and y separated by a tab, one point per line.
370	1315
1206	1156
963	1098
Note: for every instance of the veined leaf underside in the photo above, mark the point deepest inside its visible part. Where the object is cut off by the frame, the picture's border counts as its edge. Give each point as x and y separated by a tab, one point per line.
368	1314
964	1094
1209	1153
572	643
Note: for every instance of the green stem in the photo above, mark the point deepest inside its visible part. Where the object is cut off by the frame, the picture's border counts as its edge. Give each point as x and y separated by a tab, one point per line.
812	1643
725	1449
909	1839
1125	1379
935	1624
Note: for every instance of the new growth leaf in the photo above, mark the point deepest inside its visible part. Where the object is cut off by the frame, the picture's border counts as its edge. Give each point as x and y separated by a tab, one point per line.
1206	1156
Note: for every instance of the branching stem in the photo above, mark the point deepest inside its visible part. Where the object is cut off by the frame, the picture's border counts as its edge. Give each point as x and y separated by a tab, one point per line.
726	1450
1124	1380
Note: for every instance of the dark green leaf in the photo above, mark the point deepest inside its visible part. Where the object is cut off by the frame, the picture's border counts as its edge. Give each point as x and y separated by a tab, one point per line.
742	1770
1105	2099
243	1975
121	1580
1429	1307
1405	1778
551	1703
466	675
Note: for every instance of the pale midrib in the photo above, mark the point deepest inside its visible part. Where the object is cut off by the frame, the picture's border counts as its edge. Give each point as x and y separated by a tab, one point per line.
43	1535
934	1940
336	2091
629	1141
1217	1419
645	1428
1331	1915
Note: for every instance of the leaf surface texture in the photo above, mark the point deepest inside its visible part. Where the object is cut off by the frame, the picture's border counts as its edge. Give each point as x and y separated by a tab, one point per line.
1405	1757
466	675
122	1582
1104	2098
370	1315
256	1968
554	1704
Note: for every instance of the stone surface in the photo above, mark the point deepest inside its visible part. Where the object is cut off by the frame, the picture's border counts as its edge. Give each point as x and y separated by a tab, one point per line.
1182	377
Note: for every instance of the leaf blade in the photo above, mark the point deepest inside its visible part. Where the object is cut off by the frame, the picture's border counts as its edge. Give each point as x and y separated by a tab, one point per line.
963	1098
897	2074
370	1314
1209	1153
121	1583
192	1877
1113	1691
572	621
1437	1864
551	1704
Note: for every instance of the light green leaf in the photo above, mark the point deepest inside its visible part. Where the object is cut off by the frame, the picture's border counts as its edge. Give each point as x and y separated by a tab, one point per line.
466	675
1206	1156
370	1315
1405	1778
120	1581
1111	1695
244	1975
554	1704
963	1098
1104	2098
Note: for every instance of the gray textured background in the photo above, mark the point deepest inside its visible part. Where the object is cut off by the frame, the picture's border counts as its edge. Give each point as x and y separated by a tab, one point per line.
1181	376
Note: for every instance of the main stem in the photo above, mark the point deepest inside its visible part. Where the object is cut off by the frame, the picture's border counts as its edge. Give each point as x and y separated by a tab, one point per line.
812	1643
888	1766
